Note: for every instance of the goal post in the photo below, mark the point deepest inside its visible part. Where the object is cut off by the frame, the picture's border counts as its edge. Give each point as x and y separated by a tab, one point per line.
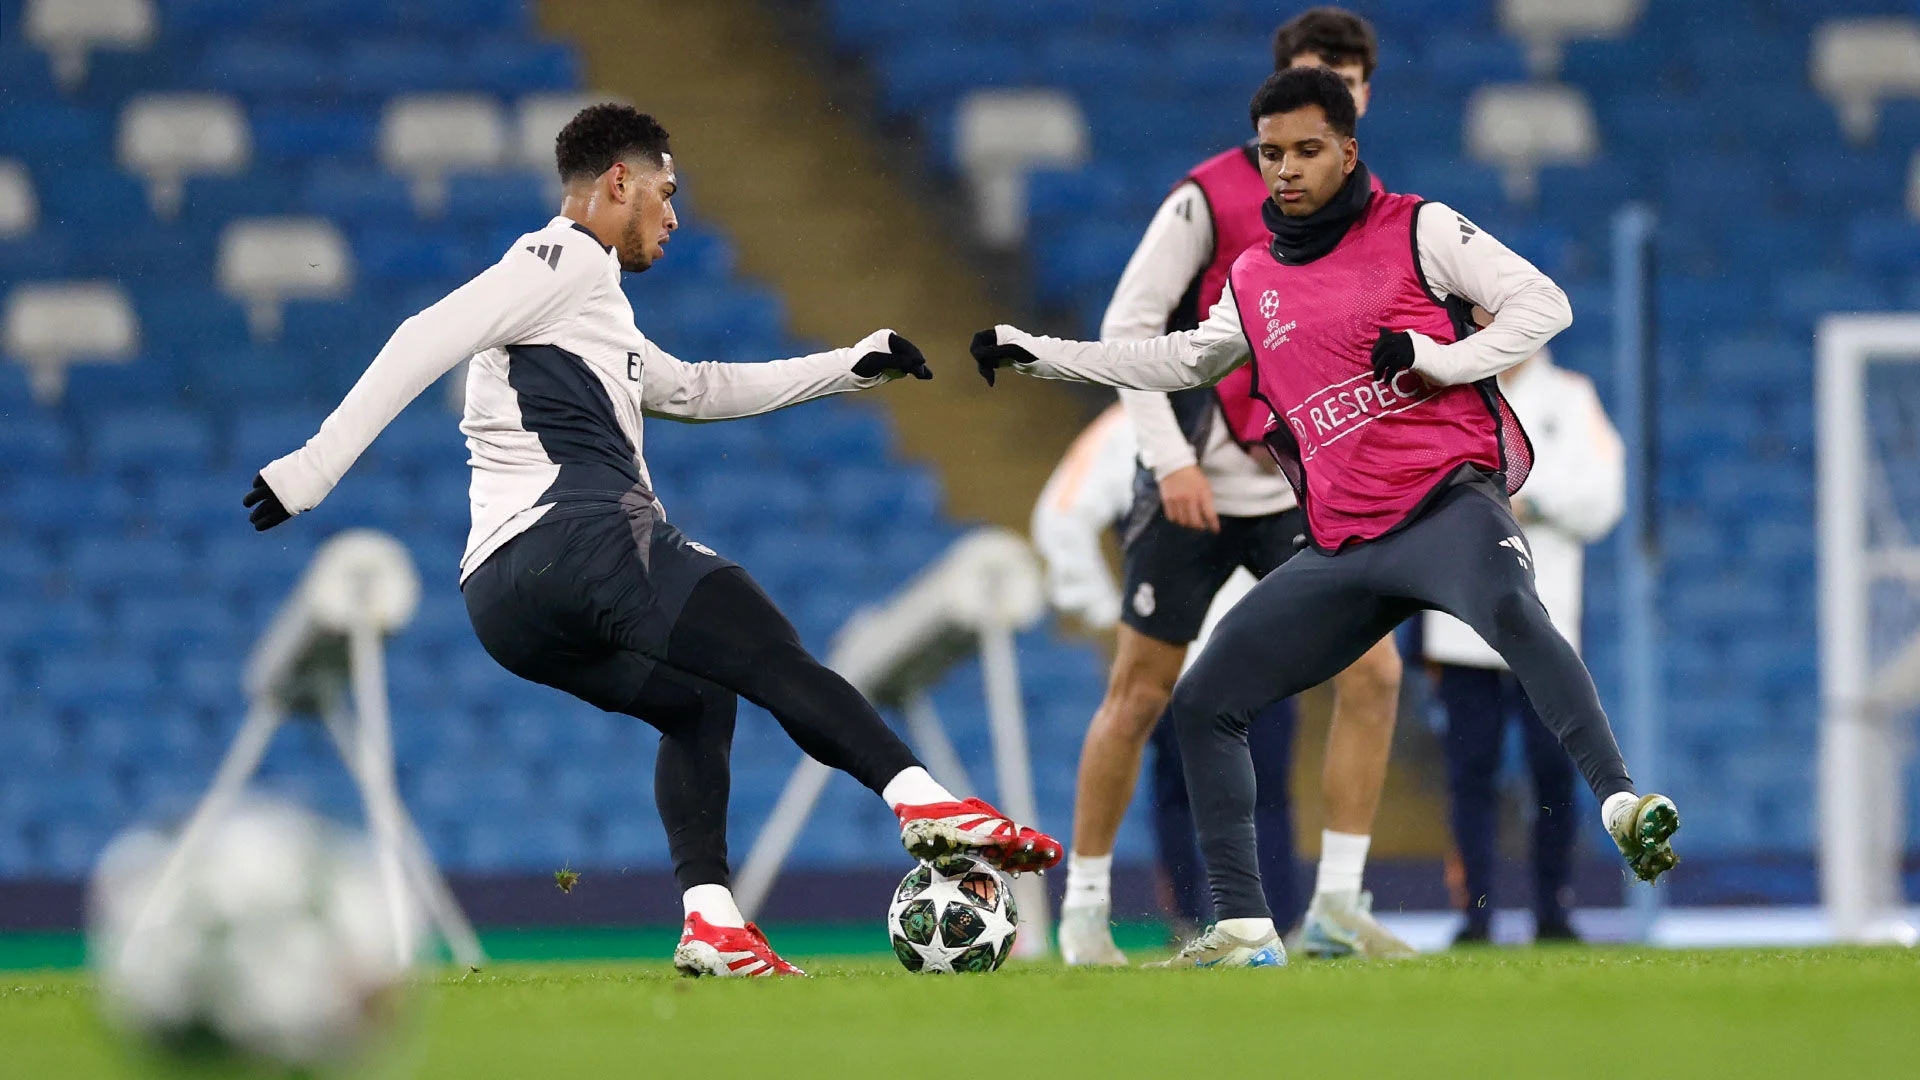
1867	397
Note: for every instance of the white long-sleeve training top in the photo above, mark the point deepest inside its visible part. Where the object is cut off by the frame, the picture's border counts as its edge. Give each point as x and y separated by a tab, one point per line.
1577	489
1528	309
1175	250
1088	493
560	380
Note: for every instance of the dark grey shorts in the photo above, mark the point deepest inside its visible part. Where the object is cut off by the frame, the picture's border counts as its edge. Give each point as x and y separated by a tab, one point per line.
585	601
1172	572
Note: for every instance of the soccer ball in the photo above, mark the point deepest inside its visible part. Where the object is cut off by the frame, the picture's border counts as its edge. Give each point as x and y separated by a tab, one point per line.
275	943
953	914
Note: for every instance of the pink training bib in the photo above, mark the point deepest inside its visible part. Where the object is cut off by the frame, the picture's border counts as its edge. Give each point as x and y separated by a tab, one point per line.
1363	455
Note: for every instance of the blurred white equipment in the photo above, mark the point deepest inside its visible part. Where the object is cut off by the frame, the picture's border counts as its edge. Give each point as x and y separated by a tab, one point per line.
1000	136
49	326
275	942
68	30
1521	126
427	136
19	210
323	655
537	123
1867	400
169	137
1858	62
267	261
1546	25
982	590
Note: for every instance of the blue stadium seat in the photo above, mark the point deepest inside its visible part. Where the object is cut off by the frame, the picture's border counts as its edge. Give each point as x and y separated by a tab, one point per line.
354	195
151	441
1091	64
479	791
162	739
923	73
538	844
70	197
518	65
631	841
303	130
169	625
267	67
1884	242
1086	255
48	132
86	682
384	254
24	74
261	435
128	564
32	441
522	201
865	24
47	503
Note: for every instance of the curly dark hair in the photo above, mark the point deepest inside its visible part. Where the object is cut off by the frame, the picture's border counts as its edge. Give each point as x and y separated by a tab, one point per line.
600	135
1335	35
1297	88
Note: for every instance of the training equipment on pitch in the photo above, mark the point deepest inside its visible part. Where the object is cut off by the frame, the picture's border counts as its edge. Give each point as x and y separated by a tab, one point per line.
274	942
973	599
953	914
323	657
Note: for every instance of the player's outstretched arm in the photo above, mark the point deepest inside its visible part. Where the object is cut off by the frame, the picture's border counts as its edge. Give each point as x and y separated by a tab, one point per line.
676	389
1197	357
1459	258
510	300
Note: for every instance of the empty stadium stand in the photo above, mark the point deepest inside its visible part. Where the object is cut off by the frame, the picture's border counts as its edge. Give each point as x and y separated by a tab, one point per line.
212	214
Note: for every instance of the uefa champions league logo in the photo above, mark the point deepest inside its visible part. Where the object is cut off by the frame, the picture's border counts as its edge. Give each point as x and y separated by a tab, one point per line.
1270	303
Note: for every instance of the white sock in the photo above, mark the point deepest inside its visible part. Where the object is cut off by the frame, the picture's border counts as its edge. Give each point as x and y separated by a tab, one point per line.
713	903
914	787
1343	862
1617	803
1247	929
1089	880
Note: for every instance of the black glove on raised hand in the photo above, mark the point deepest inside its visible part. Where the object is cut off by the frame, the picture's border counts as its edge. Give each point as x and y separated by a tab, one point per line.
902	357
990	356
267	509
1392	354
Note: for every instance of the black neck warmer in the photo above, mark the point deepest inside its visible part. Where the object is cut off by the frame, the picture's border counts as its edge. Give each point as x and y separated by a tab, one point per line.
1299	240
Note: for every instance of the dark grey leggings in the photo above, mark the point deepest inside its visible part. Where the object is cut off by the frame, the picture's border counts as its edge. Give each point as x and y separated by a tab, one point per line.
1315	615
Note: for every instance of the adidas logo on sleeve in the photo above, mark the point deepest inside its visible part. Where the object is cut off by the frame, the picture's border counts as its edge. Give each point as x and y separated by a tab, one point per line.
547	253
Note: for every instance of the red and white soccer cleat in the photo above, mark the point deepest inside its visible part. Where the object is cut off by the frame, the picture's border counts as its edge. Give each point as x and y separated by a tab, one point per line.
931	830
706	949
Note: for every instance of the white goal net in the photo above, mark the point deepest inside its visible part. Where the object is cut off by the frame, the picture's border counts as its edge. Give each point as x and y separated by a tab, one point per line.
1868	397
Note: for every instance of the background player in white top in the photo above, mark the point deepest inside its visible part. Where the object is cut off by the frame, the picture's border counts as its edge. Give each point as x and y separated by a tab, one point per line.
1211	505
572	575
1573	497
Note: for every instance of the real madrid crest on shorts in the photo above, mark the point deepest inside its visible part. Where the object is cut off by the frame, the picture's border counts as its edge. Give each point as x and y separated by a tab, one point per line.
1143	603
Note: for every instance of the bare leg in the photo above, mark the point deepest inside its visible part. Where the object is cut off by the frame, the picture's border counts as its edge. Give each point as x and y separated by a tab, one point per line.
1144	671
1366	698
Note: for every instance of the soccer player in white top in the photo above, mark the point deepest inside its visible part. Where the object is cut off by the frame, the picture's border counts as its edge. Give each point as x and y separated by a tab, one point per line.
572	575
1207	506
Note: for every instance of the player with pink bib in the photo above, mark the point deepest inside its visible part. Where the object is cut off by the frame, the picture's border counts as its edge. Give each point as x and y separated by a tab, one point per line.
1354	318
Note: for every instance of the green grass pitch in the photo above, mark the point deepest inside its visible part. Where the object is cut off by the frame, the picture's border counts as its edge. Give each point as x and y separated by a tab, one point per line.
1554	1012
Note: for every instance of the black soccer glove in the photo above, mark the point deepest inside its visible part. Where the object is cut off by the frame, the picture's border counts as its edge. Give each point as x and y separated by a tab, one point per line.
1392	354
267	509
902	357
990	356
